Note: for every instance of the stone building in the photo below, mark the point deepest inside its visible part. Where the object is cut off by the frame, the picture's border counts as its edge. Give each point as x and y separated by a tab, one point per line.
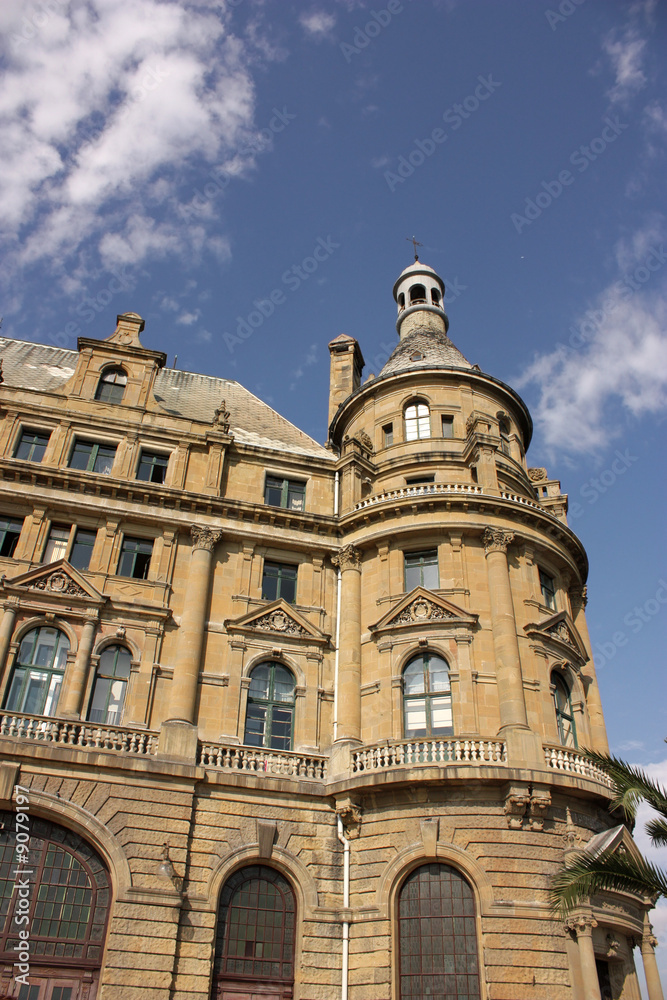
285	720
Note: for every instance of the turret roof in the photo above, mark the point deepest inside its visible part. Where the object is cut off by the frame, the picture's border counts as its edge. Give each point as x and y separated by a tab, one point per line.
424	348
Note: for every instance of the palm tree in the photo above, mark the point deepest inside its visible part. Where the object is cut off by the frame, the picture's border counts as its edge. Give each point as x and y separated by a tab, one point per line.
588	872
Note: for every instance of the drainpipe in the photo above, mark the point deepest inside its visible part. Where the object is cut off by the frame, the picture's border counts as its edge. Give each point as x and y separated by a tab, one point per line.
339	577
336	492
346	905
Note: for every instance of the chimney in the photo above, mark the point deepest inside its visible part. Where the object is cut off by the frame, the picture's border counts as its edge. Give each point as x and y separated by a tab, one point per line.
347	363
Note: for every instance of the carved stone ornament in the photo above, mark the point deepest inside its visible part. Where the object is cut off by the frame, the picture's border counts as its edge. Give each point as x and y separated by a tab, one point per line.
516	803
278	621
562	632
365	441
572	837
496	540
580	596
221	417
537	475
349	557
582	924
350	812
2	377
613	945
420	610
537	809
204	538
59	583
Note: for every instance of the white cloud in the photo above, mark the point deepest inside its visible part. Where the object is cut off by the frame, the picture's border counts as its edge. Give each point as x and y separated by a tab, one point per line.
318	24
627	56
615	356
188	318
309	360
105	108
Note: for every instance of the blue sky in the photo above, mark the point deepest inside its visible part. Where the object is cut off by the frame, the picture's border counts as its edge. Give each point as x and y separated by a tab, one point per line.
183	160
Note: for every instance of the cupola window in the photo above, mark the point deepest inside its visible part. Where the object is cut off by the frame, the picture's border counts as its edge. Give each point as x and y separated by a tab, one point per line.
435	296
111	386
417	295
401	301
417	421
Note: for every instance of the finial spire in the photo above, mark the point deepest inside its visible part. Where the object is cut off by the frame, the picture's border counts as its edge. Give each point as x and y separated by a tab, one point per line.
415	244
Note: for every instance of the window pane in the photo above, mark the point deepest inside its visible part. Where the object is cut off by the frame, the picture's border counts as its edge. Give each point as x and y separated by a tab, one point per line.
254	725
288	588
259	681
413	677
269	584
81	455
56	545
430	576
9	536
32	446
448	427
283	685
296	495
104	460
415	717
281	729
152	467
438	674
99	700
82	549
441	716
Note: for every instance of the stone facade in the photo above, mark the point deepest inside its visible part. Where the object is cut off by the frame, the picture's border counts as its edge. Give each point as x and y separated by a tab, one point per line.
350	679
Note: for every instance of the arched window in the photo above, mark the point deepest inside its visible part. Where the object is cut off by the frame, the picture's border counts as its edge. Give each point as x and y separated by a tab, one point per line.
427	697
270	713
417	421
437	936
111	386
69	894
567	732
255	935
401	300
111	677
417	294
435	296
38	672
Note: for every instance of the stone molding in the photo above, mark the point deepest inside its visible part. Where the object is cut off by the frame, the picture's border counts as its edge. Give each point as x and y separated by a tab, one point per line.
349	557
496	540
204	538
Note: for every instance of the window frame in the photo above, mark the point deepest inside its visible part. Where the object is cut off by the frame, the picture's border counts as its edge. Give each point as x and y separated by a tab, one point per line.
153	465
49	690
547	593
74	531
36	433
139	541
289	488
429	696
421	431
105	381
559	682
409	562
5	525
270	706
280	566
388	434
447	421
113	677
95	447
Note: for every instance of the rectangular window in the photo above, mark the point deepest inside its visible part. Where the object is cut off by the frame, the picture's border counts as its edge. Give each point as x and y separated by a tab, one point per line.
289	493
548	588
32	446
9	536
82	548
388	434
419	480
421	570
92	457
152	467
135	558
56	545
448	427
279	580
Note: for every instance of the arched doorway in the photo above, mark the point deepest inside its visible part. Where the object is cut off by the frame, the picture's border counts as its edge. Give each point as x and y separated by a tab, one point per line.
254	947
66	894
437	936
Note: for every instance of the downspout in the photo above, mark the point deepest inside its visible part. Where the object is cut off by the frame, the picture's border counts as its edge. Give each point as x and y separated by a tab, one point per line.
338	592
346	905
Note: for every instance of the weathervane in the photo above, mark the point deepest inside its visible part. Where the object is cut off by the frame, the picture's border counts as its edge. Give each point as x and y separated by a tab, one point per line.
415	244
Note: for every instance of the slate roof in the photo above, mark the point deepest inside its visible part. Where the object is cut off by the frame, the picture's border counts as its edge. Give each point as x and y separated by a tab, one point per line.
435	349
188	395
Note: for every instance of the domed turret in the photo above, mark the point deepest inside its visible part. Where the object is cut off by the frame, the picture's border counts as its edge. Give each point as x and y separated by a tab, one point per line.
419	293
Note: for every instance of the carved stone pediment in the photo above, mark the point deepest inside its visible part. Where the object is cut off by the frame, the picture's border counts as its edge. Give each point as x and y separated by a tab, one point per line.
280	619
421	607
55	580
560	632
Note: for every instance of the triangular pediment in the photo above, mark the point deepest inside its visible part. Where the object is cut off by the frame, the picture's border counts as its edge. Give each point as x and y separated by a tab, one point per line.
423	607
57	579
560	631
280	619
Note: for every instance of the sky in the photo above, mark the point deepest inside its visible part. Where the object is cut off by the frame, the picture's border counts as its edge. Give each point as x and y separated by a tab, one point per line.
245	174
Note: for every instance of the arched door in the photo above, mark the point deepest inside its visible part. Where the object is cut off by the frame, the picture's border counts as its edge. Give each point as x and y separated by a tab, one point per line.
254	947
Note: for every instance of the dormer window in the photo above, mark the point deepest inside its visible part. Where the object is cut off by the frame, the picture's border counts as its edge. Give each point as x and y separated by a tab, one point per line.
111	386
417	295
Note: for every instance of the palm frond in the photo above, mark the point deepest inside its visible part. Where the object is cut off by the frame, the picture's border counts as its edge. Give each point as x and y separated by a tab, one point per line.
657	831
631	784
585	874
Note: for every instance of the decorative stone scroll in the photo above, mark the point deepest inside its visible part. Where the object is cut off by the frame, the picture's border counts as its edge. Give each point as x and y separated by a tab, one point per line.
537	475
59	583
204	538
496	540
349	557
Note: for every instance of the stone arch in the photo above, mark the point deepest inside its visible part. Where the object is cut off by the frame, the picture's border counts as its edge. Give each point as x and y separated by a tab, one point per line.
112	640
396	871
41	621
285	660
296	873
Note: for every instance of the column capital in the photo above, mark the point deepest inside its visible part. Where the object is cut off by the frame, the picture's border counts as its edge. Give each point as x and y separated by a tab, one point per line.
582	925
496	540
349	557
204	538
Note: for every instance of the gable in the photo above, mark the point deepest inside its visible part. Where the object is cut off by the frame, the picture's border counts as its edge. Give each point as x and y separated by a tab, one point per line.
422	607
57	579
278	619
560	632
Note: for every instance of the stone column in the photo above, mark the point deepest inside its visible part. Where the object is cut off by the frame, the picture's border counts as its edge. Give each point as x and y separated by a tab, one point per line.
648	946
183	698
7	630
349	656
599	742
74	685
522	744
583	926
